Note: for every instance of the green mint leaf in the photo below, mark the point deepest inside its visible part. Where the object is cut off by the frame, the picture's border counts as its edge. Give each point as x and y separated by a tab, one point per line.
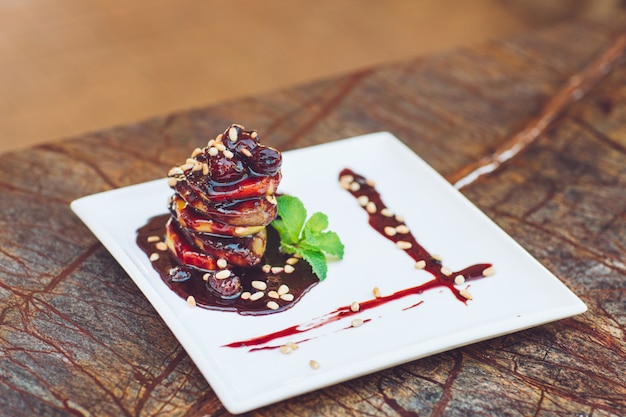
327	242
292	214
317	260
316	223
306	238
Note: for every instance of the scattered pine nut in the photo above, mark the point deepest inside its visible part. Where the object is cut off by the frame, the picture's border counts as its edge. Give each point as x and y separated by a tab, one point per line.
153	239
370	182
213	151
256	296
273	294
314	364
291	261
245	295
154	257
390	230
254	134
284	349
446	271
196	152
205	169
228	154
206	276
277	269
289	269
232	134
355	186
403	244
162	246
266	268
220	146
354	307
402	229
363	200
459	280
345	181
386	212
259	285
223	274
171	182
272	305
191	301
283	289
436	257
356	322
489	271
222	263
371	207
399	218
376	292
287	297
465	294
421	264
246	152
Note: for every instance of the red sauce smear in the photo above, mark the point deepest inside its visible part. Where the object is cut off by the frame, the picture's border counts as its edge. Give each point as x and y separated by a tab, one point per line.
383	220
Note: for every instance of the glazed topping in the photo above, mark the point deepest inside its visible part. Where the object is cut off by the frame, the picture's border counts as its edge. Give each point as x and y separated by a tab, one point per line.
228	159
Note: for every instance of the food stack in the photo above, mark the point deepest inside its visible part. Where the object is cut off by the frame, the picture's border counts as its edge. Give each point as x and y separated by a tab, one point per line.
224	199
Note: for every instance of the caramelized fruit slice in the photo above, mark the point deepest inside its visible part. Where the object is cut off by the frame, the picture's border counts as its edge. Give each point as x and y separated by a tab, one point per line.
186	253
251	212
241	251
189	218
248	187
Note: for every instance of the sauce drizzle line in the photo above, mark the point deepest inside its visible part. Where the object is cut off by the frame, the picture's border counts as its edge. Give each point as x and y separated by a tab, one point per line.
393	228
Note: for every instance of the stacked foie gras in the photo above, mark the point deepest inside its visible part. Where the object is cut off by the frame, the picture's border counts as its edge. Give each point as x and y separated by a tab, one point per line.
224	199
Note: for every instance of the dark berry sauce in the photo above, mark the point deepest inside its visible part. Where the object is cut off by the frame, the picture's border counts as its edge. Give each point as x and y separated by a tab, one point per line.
383	221
187	281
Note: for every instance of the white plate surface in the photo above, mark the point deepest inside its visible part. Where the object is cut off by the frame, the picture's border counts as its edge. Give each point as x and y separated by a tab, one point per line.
520	295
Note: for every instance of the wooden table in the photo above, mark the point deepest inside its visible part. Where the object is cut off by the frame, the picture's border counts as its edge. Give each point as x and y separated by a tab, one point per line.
531	129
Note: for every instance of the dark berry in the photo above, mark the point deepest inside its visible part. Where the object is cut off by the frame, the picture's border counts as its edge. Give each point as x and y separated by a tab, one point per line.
225	288
265	161
224	170
179	274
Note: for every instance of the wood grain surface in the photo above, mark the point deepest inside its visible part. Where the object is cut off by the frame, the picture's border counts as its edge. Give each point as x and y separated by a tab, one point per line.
77	337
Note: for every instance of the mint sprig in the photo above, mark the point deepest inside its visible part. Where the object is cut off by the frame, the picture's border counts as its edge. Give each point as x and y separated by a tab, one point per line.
307	238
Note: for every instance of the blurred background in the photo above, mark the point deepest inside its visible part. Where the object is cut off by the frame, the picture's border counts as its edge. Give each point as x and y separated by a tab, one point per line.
72	66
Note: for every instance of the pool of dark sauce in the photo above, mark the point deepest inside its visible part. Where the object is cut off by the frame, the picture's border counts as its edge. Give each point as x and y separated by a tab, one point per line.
187	281
393	228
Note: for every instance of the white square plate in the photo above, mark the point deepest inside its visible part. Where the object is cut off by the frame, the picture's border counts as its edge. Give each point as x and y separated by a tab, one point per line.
521	294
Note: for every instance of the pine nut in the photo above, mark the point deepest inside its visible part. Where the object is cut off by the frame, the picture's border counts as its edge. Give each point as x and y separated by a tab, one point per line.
356	322
390	231
420	264
283	289
403	244
259	285
223	274
256	296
